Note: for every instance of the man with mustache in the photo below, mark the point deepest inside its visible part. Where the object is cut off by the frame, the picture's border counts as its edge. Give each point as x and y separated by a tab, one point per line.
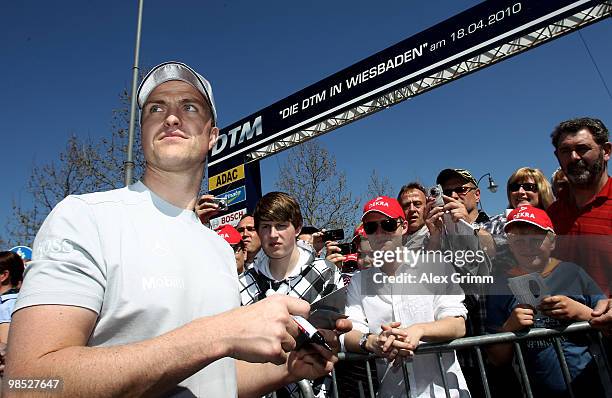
583	212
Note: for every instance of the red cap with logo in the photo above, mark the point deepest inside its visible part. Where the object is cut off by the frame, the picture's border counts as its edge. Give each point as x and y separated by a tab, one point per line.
351	257
229	233
359	232
531	215
383	204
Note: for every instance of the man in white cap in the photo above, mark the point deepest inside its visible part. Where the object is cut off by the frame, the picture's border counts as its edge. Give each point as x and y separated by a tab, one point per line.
129	294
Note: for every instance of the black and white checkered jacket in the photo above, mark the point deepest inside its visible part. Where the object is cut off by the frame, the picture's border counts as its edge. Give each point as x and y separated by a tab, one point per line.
311	279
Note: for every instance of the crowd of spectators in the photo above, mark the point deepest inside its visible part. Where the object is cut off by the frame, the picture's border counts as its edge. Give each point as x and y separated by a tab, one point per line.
225	324
522	240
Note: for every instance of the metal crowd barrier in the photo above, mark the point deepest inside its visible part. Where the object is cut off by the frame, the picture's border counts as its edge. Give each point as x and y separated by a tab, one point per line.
304	388
596	347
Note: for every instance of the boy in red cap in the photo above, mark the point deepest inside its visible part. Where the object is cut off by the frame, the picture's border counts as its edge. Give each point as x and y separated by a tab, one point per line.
573	294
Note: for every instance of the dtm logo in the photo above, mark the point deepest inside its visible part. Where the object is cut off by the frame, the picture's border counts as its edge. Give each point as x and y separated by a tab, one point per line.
234	196
247	131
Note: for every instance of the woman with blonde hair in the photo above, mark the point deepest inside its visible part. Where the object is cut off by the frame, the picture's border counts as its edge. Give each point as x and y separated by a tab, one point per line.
527	187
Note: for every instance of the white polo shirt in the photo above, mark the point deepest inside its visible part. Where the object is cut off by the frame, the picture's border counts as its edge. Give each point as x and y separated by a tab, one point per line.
143	265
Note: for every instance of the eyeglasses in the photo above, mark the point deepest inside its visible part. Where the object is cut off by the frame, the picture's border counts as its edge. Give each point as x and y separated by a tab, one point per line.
457	190
388	225
533	241
249	228
527	186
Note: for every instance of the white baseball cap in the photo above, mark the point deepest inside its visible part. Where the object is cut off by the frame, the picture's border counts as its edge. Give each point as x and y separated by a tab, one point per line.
175	71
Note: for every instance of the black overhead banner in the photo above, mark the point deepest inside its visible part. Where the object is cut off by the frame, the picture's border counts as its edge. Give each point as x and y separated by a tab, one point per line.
458	38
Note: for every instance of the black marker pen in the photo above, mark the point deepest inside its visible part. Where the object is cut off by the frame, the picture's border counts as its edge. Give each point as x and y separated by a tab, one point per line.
314	336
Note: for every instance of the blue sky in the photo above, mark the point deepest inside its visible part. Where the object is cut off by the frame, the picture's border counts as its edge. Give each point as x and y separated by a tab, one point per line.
66	62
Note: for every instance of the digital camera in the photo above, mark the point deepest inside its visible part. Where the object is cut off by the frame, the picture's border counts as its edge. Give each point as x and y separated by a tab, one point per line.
221	202
436	193
333	234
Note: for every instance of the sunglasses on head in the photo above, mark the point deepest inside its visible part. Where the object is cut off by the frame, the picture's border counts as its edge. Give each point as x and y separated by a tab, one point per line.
527	186
249	228
388	225
457	190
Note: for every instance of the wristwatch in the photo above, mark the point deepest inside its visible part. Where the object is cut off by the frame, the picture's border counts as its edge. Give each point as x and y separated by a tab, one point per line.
363	340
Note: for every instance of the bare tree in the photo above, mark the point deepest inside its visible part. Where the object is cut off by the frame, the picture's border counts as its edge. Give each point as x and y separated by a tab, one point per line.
83	166
310	176
378	186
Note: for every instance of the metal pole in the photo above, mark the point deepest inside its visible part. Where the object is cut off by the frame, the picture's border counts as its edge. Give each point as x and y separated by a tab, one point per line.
129	163
369	376
305	388
521	363
483	373
334	384
567	377
443	374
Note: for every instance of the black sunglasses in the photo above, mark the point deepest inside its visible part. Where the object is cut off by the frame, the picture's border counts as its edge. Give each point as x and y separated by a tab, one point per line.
527	186
388	225
457	190
249	228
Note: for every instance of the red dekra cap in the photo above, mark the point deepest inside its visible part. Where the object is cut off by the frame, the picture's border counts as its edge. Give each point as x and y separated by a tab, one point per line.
531	215
229	233
383	204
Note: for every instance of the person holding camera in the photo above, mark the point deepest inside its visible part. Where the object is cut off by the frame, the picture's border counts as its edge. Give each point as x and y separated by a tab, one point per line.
461	196
454	224
314	237
208	206
351	256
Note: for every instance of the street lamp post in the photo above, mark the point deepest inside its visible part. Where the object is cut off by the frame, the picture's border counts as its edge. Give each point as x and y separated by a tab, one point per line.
129	162
492	186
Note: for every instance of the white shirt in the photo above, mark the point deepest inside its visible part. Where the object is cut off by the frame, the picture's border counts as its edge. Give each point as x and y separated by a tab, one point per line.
370	305
143	265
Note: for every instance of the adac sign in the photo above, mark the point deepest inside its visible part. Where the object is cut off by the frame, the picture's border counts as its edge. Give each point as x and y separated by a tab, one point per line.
226	177
234	196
